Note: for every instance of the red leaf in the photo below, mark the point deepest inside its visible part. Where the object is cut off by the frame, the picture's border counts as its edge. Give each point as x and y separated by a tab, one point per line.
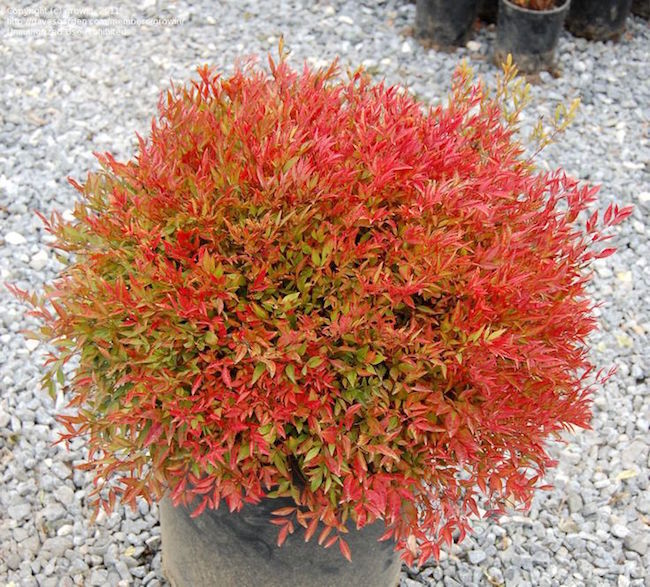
225	375
197	383
201	508
154	434
324	534
282	535
311	528
286	511
331	541
608	214
591	223
345	549
605	253
621	215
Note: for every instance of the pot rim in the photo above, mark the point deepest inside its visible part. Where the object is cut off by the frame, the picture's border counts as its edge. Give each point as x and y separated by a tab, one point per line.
555	10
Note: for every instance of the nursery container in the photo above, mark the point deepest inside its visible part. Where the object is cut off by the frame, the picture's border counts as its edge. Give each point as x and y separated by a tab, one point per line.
487	10
239	549
641	8
530	36
598	20
445	22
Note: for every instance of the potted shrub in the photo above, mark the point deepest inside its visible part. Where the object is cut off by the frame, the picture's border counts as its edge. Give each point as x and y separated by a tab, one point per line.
598	20
529	30
444	23
313	300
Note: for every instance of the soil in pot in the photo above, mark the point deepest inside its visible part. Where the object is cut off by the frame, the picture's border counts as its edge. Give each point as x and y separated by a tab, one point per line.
224	549
444	23
529	35
598	20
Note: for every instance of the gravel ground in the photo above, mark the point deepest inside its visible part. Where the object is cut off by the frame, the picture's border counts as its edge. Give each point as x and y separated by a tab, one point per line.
66	95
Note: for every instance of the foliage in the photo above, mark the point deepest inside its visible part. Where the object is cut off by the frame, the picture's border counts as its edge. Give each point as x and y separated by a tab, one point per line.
319	288
537	4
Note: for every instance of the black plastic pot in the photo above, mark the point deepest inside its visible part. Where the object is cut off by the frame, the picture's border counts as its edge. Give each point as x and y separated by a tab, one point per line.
487	10
444	23
223	549
529	35
598	20
641	8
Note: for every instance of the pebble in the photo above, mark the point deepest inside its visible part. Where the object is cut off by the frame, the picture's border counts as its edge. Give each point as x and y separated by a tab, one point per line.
65	495
57	545
53	511
64	530
39	260
637	542
575	502
476	556
620	531
32	344
19	511
99	577
14	238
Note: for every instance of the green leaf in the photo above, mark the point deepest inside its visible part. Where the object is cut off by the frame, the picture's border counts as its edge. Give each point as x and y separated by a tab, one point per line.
290	298
259	369
476	334
315	362
51	387
259	311
291	373
290	163
362	352
279	463
327	249
495	334
313	451
244	452
378	359
316	480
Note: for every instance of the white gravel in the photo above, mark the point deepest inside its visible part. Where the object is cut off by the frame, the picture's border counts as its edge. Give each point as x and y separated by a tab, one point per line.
81	87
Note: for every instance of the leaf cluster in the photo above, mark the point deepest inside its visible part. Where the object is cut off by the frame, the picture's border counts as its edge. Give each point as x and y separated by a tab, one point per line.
537	4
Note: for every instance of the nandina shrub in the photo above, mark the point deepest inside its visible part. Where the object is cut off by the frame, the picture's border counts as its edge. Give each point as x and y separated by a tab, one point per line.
309	287
539	4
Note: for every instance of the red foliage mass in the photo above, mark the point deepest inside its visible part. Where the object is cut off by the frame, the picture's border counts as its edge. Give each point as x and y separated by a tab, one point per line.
317	288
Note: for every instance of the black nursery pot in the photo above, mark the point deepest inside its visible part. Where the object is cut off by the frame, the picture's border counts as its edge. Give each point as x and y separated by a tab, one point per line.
641	8
444	23
223	549
598	20
487	10
529	35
